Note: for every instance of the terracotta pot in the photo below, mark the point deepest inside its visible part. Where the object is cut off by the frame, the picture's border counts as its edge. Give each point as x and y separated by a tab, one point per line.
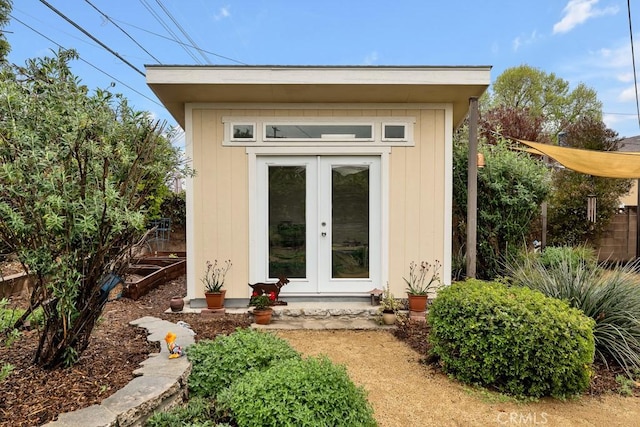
388	318
263	317
215	300
176	304
417	302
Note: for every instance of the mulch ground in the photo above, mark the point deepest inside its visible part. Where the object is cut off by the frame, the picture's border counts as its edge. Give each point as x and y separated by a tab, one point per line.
32	396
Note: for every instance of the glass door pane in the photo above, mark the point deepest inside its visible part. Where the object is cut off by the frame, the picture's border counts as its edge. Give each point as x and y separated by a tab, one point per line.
287	221
349	221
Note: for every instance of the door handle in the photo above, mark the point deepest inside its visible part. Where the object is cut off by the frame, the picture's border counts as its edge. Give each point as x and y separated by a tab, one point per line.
323	234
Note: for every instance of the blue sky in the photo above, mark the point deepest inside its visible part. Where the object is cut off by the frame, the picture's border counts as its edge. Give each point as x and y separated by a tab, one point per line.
584	41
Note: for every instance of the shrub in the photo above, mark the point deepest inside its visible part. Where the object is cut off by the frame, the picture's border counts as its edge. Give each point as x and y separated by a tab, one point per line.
556	255
218	363
610	297
197	412
309	392
515	340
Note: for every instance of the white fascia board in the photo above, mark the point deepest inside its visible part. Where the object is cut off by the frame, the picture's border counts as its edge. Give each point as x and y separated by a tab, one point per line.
319	75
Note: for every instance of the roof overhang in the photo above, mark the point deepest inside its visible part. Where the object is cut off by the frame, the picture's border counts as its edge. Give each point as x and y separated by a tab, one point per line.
177	85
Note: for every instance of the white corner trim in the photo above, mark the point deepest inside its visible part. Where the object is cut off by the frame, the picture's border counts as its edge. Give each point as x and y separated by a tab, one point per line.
448	194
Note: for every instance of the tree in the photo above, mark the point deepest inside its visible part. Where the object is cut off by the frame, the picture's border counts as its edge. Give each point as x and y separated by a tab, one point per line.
567	215
510	189
544	95
77	173
5	11
512	122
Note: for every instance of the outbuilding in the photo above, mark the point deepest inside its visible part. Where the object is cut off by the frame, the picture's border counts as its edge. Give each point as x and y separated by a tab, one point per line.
336	177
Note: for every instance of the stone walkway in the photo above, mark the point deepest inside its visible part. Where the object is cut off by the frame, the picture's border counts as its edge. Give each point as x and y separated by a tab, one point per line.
161	384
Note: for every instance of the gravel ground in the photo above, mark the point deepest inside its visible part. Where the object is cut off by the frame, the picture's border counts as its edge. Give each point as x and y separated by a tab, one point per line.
403	390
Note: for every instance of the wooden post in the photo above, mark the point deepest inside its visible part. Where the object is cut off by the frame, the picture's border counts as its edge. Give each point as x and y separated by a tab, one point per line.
637	218
472	189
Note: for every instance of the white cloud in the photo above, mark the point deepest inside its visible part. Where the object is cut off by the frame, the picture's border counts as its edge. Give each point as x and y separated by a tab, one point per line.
625	77
611	120
518	42
577	12
629	94
371	58
224	12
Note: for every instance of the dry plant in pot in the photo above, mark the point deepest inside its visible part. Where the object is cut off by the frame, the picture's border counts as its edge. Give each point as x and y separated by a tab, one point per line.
389	306
213	281
418	286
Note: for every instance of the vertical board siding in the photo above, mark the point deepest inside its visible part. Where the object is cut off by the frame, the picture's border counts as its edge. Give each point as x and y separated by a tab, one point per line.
417	197
221	188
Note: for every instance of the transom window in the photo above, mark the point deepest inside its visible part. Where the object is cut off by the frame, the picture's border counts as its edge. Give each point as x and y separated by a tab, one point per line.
328	131
287	131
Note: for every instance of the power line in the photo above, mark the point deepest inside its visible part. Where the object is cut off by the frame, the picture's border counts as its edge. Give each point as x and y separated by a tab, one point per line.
633	61
183	31
169	30
179	42
86	62
121	29
86	33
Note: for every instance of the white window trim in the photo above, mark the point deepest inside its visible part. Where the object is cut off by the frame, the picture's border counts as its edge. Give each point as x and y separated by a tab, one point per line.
228	130
408	132
260	124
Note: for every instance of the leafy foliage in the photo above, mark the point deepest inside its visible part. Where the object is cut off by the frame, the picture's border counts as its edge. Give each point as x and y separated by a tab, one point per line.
567	214
510	190
198	412
513	339
174	207
610	297
219	363
78	172
512	122
5	11
555	256
309	392
544	95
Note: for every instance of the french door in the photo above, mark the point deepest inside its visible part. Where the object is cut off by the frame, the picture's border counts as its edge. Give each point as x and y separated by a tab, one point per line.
318	222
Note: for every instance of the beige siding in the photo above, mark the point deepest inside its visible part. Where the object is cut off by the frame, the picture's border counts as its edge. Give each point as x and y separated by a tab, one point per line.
416	199
221	214
221	188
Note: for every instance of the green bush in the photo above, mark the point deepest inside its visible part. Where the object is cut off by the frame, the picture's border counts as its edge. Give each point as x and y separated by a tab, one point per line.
610	297
218	363
555	255
197	412
310	392
515	340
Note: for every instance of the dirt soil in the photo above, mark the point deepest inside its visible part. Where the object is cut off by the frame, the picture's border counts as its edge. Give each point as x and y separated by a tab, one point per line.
403	389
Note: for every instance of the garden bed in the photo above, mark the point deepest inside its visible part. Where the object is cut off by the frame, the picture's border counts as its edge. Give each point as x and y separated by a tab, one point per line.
148	273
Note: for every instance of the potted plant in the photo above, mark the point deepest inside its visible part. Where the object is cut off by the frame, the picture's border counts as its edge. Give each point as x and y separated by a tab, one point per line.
213	281
389	306
418	286
261	303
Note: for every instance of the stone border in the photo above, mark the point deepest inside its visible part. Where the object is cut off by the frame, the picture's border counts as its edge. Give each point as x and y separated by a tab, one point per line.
161	383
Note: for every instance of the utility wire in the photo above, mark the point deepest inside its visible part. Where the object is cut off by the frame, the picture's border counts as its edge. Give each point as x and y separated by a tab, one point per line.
183	31
121	29
181	43
633	61
85	32
169	30
86	62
